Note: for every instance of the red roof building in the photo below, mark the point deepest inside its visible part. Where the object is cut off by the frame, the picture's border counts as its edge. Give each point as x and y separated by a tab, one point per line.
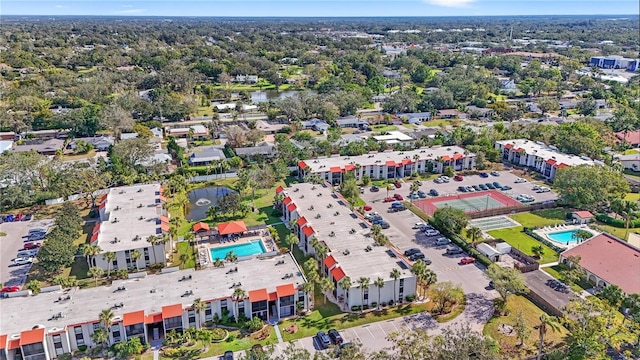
232	227
308	231
631	137
329	261
336	169
32	336
301	221
291	207
201	226
302	165
608	260
337	273
279	189
285	290
171	311
133	318
258	295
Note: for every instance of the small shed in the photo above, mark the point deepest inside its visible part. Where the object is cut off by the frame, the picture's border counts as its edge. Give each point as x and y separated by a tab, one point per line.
503	247
489	251
581	217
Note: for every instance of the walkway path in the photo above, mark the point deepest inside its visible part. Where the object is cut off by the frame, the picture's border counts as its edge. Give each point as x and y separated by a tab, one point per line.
549	264
277	329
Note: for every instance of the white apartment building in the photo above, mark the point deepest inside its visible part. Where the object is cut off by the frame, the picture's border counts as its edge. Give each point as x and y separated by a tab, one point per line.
326	216
56	321
545	159
129	215
388	164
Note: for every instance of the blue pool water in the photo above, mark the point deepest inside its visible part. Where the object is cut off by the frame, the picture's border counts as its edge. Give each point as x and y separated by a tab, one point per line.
254	247
563	236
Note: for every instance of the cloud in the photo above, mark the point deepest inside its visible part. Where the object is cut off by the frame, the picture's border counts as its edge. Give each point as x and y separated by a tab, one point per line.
130	11
59	6
450	3
127	6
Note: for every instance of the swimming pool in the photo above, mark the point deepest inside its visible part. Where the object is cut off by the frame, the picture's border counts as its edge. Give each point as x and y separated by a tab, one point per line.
253	247
565	237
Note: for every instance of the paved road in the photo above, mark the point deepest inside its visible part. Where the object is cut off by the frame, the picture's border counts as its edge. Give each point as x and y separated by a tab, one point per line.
9	246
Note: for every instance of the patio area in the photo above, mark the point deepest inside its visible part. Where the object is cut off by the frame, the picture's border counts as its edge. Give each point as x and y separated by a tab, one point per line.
567	230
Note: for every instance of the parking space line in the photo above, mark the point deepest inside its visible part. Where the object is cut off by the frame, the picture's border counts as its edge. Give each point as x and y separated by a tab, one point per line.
356	334
394	325
384	332
370	333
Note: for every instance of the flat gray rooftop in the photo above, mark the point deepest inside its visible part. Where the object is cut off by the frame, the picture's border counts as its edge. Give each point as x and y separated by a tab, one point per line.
341	230
380	158
138	214
22	313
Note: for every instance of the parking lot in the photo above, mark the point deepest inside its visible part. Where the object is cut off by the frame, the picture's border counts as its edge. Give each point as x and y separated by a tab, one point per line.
9	246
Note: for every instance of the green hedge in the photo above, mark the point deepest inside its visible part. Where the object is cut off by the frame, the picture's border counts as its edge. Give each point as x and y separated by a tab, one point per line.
543	240
617	222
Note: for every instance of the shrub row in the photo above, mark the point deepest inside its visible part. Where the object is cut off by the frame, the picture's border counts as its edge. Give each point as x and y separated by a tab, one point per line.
543	240
603	218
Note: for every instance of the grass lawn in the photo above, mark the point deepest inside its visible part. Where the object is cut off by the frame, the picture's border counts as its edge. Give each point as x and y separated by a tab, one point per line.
204	111
438	123
314	322
238	341
523	242
632	174
252	87
184	248
207	142
540	218
632	197
631	151
88	155
615	231
384	128
531	314
409	126
556	270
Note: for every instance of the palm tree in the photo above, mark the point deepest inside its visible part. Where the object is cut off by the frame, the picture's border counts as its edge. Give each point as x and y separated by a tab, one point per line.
389	188
413	189
307	287
345	285
416	158
626	209
96	273
218	263
545	321
376	230
291	240
327	286
105	317
321	253
395	275
238	295
429	278
231	257
363	283
135	256
100	336
198	307
475	234
154	240
379	283
109	256
419	269
90	251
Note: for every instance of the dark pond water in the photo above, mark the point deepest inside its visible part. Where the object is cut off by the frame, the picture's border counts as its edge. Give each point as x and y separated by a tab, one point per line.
201	199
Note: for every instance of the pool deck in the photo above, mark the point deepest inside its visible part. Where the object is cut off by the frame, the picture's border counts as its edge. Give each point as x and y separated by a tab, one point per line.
207	243
545	231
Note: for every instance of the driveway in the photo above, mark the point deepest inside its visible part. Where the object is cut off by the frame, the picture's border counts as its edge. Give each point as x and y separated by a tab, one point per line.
9	246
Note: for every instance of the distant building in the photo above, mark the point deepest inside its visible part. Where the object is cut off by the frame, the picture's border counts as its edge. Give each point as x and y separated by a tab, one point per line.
100	143
536	155
351	122
630	161
126	136
451	114
630	137
416	118
508	85
395	137
265	149
315	124
206	156
47	147
246	79
615	62
390	74
199	132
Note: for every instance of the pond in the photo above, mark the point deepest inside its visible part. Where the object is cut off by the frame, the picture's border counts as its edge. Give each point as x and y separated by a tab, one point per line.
263	96
201	199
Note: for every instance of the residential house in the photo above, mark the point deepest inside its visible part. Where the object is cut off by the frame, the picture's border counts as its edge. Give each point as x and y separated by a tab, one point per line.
8	135
581	217
157	132
416	118
508	85
391	74
268	127
451	114
630	161
607	261
351	122
126	136
479	113
395	137
179	132
265	149
99	142
199	132
206	155
324	215
545	159
388	164
315	124
129	215
429	133
46	147
246	79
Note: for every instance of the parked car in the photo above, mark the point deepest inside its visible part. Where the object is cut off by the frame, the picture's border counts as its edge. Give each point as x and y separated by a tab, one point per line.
26	217
8	289
19	217
458	178
397	185
228	355
361	190
492	285
467	260
434	192
323	339
505	188
414	196
453	250
470	189
418	225
483	187
375	188
416	256
520	180
536	187
421	194
397	205
445	178
443	241
418	182
335	337
431	232
37	230
27	253
384	225
497	184
398	197
32	245
389	199
495	173
367	208
476	187
438	180
22	260
490	186
484	175
543	189
411	251
462	189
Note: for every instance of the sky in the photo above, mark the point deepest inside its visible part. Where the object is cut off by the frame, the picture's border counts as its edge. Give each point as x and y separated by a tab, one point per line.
319	8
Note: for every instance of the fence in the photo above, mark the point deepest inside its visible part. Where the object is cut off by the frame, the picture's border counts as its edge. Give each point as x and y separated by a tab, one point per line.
526	262
510	210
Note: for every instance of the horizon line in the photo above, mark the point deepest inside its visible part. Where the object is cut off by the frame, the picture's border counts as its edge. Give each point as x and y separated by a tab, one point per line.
311	16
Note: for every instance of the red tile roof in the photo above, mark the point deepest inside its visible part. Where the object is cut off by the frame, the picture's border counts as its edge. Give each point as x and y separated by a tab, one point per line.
390	163
508	146
285	290
308	231
32	336
164	219
329	261
201	226
171	311
457	156
583	214
286	200
273	296
611	259
448	112
550	161
103	197
232	227
349	167
258	295
153	318
96	228
406	161
102	205
335	169
632	137
302	165
164	227
337	273
132	318
94	238
279	189
3	342
291	207
301	221
561	165
446	158
14	344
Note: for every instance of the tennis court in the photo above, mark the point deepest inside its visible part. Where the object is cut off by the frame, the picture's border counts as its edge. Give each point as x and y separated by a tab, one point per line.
469	202
494	223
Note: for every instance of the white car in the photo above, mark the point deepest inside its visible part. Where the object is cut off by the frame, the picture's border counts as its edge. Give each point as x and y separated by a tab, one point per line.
418	225
431	232
543	189
22	260
520	180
